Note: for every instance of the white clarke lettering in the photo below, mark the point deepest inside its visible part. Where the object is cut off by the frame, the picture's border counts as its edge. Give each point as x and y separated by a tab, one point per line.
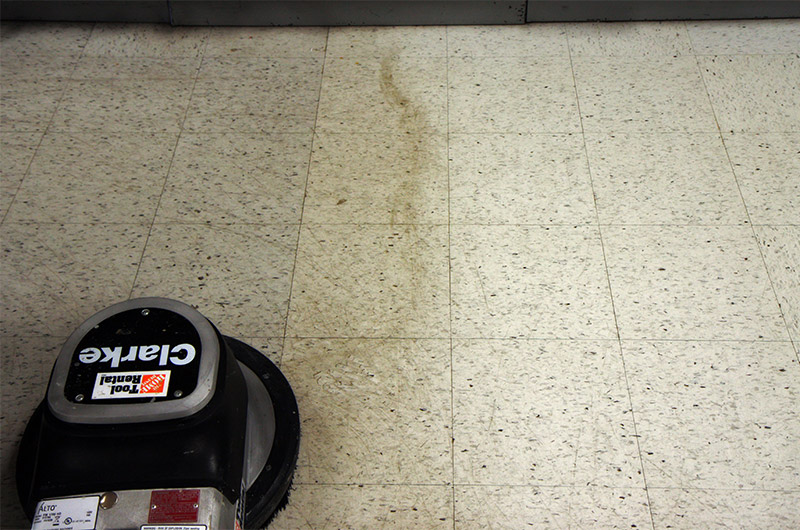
179	355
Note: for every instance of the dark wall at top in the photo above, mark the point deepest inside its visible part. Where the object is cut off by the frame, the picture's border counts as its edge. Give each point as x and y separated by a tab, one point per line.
386	12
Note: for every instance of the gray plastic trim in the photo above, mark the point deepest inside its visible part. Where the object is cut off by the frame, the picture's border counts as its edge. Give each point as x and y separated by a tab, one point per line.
137	412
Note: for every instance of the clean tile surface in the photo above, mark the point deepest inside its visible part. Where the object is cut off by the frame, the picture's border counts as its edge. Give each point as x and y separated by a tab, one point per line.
693	282
754	93
146	40
560	408
123	105
780	246
236	177
519	179
767	168
544	507
39	40
745	37
718	509
529	281
716	414
635	39
670	178
540	275
367	506
543	95
539	40
56	276
62	183
255	95
28	106
18	150
414	41
266	42
652	94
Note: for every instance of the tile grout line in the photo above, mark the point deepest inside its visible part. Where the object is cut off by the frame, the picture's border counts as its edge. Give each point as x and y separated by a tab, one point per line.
316	224
470	339
305	195
610	290
450	281
169	167
47	127
535	486
746	209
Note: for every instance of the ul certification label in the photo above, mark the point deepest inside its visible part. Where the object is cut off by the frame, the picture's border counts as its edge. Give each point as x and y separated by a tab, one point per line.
78	513
118	385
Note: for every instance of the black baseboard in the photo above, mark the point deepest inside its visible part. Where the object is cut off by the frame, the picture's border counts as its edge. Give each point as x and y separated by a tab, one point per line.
619	10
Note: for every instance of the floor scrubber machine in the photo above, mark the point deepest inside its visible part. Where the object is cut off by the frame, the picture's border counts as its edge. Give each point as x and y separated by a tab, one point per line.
153	420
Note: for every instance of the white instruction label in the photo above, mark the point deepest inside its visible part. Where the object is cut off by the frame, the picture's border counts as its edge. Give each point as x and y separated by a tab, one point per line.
173	527
117	385
77	513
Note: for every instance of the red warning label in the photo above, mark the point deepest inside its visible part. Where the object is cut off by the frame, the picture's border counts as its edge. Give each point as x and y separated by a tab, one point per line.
119	385
174	506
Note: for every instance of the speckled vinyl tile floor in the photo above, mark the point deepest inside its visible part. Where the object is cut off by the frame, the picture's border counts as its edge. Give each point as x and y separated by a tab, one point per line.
538	276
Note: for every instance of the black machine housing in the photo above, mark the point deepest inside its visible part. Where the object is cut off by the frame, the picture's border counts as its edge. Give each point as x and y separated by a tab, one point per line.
149	394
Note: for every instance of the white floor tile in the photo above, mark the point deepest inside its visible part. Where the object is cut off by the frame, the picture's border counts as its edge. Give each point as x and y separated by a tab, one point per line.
544	508
542	412
95	178
767	168
529	282
691	283
373	410
56	276
781	248
6	198
528	40
267	95
520	179
543	95
237	177
717	509
747	37
674	178
389	507
634	39
146	40
370	281
238	275
42	39
366	41
108	68
123	105
266	42
652	94
18	150
28	106
754	93
383	95
377	178
716	414
18	67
